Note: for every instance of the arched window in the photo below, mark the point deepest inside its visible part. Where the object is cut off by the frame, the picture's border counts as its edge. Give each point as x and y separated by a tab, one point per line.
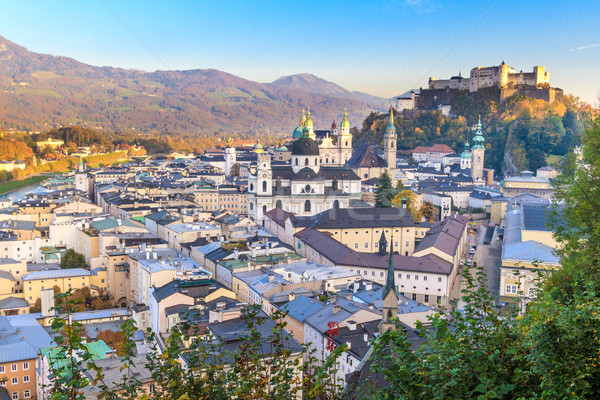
264	186
251	206
334	185
333	160
389	316
252	187
346	143
307	206
392	144
316	161
279	204
336	204
306	161
296	161
307	188
264	209
327	161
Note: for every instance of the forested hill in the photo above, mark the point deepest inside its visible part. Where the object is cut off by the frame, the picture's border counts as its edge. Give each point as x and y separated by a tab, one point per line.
521	133
41	92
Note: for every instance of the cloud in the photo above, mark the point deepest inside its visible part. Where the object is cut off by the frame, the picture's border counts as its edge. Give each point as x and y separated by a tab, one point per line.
587	47
421	5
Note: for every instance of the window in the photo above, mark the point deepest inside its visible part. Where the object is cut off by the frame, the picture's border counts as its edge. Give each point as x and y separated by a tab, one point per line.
26	394
426	300
424	277
416	277
307	206
1	369
366	245
372	273
15	380
399	276
414	296
306	161
439	299
407	244
15	395
25	366
395	244
26	379
264	186
439	279
13	367
407	276
2	383
356	245
511	289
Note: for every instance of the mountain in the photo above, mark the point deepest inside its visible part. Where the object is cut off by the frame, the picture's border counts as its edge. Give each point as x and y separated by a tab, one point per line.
40	91
321	86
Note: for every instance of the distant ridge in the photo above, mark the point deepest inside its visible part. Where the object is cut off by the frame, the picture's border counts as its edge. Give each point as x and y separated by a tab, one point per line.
40	91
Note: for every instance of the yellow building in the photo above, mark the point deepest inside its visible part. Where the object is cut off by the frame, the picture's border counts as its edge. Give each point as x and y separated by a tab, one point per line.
65	279
11	273
527	183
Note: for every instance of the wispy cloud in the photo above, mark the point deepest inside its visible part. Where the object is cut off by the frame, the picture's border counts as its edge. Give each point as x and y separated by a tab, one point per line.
587	47
421	5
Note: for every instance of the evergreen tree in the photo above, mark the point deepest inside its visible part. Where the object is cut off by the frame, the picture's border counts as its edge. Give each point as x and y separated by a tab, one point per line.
385	191
72	259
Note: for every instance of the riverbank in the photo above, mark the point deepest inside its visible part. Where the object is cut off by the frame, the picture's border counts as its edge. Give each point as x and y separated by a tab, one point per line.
16	185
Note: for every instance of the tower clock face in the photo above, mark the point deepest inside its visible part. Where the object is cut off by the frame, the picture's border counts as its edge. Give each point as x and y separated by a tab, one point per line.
264	175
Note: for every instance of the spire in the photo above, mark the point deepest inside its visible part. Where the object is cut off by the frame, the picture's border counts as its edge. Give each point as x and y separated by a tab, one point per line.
390	130
345	123
303	119
308	123
390	283
382	245
478	139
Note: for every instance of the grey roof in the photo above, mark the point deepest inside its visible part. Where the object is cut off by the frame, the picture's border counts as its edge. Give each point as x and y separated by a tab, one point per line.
302	307
445	235
6	275
337	311
196	290
13	302
340	254
535	217
54	274
529	251
348	218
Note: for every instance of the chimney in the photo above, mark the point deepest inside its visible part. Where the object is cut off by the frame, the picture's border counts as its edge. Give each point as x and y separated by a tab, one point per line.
366	337
271	277
336	308
252	252
368	285
351	325
349	296
292	296
356	286
48	303
236	254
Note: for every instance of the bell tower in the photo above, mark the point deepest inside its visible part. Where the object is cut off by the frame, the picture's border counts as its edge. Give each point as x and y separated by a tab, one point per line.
478	154
344	140
389	145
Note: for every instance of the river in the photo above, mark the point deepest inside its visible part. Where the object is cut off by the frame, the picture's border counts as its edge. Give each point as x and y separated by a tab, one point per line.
19	194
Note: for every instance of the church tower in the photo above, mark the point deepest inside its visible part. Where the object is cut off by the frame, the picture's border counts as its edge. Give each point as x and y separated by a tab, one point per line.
230	157
309	124
390	294
465	157
344	141
264	175
478	154
389	145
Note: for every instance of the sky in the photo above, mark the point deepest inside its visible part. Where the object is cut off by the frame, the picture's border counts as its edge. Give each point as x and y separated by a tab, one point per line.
382	47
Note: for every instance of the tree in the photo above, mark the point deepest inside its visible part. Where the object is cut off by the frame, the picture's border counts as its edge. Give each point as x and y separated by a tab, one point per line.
429	212
113	339
385	191
235	170
411	203
72	259
37	306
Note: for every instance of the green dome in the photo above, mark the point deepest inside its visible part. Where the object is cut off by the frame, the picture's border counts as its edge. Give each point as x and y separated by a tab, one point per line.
467	153
298	132
282	148
479	139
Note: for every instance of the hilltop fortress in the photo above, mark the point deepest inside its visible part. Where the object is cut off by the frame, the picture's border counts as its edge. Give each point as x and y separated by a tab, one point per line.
441	92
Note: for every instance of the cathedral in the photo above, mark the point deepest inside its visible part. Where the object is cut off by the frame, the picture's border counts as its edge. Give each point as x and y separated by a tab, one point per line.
321	173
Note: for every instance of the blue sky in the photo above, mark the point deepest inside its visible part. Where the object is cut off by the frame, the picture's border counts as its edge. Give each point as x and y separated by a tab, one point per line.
381	47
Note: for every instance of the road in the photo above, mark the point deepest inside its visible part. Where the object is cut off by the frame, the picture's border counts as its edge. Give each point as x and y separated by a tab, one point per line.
486	255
